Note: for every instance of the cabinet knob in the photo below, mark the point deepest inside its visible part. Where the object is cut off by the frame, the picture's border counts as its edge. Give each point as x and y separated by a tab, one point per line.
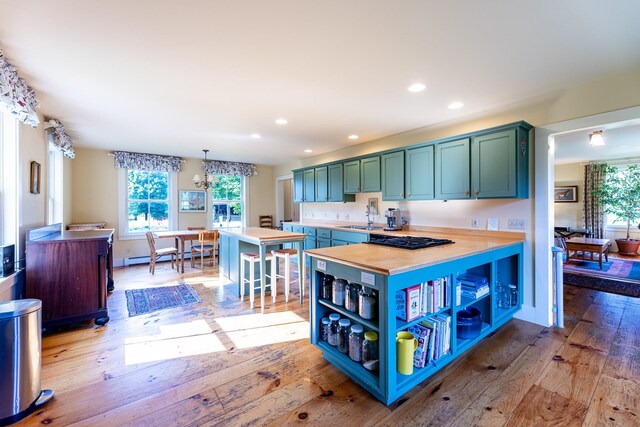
408	194
476	193
466	193
401	194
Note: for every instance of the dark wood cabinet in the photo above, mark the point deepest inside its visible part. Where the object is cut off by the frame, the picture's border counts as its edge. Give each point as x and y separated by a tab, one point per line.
70	272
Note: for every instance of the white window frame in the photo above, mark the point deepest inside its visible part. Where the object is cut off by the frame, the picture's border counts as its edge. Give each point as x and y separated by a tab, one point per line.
123	197
55	185
620	226
10	180
244	197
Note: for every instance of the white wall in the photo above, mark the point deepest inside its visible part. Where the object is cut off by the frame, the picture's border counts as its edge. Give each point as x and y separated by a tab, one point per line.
569	214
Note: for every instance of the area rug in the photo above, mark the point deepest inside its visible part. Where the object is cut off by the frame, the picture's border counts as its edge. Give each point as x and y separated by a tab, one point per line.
616	268
147	300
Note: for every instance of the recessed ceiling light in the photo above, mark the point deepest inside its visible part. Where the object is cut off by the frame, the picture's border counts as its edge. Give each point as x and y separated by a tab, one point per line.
596	139
308	151
255	135
417	87
353	136
622	146
456	105
282	121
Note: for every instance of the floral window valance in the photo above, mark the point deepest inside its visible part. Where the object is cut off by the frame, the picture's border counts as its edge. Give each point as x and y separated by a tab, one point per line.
218	167
16	96
146	162
61	139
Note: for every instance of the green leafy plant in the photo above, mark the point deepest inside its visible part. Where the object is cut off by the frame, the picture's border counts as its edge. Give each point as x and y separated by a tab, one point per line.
620	194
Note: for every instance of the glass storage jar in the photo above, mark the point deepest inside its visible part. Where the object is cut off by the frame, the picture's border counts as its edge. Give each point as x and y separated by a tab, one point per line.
324	328
333	329
513	295
343	335
368	303
370	351
325	286
351	297
338	292
356	336
502	296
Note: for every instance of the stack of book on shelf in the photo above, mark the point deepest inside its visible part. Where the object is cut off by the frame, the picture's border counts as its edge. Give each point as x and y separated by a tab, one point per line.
423	298
434	339
472	285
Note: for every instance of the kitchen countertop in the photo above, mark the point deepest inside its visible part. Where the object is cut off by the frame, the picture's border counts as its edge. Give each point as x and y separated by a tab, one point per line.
387	260
261	235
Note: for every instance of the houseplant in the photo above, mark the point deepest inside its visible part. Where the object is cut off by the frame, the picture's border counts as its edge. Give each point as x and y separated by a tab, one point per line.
620	196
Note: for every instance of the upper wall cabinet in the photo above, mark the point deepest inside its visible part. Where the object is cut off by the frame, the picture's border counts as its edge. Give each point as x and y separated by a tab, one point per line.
298	186
309	185
370	174
322	187
393	176
452	170
499	165
419	173
352	176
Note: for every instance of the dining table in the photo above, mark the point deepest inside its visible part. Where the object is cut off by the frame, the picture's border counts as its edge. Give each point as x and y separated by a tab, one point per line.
180	236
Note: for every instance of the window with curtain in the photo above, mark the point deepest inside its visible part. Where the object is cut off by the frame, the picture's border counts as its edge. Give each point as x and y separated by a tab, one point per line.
148	204
9	176
54	185
227	196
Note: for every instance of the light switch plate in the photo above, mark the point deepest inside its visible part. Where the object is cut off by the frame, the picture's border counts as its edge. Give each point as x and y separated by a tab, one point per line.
475	223
492	224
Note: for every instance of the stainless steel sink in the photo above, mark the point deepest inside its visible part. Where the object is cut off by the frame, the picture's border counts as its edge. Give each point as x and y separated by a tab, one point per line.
360	227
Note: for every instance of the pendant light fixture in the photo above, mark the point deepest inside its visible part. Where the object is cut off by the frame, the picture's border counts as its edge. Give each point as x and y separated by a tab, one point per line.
208	179
596	139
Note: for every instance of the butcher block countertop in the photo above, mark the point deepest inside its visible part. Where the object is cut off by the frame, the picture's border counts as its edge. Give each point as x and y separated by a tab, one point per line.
386	260
261	235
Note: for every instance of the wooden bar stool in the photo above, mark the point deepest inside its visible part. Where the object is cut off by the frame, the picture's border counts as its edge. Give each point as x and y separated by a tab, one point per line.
253	258
285	254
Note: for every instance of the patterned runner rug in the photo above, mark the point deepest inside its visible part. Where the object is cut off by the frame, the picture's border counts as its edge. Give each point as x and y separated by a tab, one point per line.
147	300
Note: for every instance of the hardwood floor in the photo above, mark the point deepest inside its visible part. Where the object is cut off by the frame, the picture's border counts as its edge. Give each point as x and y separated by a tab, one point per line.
220	363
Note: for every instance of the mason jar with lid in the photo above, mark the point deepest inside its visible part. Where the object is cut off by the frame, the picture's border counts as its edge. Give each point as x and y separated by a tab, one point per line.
513	295
356	336
351	297
343	335
338	294
332	339
325	286
324	328
368	303
370	351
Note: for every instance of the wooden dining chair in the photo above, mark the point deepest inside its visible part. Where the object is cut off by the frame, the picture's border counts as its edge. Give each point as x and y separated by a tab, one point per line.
266	221
205	246
155	254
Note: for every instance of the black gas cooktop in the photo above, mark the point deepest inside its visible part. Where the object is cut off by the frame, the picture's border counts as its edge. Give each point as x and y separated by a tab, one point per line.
406	242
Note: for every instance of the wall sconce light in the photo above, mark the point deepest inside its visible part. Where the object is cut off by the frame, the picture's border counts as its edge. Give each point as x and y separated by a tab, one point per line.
208	179
596	139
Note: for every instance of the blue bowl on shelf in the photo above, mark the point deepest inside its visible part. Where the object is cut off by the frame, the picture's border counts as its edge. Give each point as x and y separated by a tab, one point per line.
469	323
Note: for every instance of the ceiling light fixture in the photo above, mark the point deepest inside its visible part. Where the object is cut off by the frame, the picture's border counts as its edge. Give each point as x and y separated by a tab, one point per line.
255	135
354	136
308	151
417	87
596	139
208	179
281	121
455	105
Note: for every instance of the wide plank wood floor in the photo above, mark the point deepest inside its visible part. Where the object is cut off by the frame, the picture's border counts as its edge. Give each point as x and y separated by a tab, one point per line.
220	363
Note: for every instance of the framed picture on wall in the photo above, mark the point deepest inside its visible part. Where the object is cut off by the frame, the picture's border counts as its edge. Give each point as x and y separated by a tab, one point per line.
192	201
34	182
565	194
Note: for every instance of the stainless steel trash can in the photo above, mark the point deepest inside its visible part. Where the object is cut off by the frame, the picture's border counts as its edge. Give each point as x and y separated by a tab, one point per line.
20	359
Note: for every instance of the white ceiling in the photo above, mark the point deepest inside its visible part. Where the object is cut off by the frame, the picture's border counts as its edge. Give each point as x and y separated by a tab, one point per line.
174	77
622	140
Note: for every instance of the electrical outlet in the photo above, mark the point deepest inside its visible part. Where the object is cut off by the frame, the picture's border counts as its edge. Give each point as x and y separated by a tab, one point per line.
492	224
337	216
516	224
475	223
345	216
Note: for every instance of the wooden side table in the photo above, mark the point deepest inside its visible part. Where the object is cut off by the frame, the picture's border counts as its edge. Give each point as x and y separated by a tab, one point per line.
578	247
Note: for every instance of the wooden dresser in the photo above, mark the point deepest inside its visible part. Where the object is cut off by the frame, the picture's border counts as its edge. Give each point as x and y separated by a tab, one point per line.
70	272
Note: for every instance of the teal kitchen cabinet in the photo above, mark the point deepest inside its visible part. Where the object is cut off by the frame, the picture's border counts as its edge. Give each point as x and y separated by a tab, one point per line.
351	176
335	184
309	185
370	174
393	176
322	182
452	170
298	186
499	164
419	173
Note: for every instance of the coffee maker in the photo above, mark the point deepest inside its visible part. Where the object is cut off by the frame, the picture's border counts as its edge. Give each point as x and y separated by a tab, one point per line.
394	219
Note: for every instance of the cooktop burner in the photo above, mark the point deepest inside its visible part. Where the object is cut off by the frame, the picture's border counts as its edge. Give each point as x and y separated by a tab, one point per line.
406	242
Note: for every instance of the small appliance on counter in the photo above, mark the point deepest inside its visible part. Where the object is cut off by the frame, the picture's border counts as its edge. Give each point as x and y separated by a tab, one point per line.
394	220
